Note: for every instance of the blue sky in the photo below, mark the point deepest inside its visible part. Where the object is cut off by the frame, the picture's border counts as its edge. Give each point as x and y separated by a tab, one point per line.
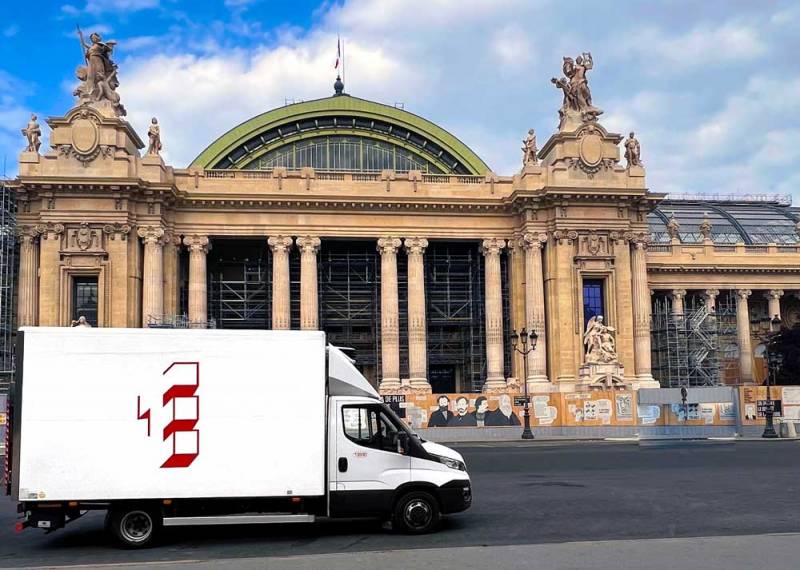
712	89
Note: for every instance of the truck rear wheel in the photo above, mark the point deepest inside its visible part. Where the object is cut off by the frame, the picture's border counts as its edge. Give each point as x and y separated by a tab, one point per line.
417	513
135	526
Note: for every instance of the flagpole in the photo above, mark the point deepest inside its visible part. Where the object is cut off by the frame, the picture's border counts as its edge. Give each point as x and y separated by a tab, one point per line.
344	79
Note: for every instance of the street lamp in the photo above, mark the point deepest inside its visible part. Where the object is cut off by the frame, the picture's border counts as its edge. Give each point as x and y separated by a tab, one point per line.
774	360
523	337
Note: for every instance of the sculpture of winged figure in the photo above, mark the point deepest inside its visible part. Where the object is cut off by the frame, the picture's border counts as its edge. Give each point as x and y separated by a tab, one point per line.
99	76
599	341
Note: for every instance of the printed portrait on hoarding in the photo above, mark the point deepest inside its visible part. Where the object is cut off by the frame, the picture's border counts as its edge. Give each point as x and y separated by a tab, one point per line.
442	415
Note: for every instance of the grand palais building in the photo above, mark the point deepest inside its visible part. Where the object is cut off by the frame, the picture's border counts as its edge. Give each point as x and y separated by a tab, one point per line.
391	235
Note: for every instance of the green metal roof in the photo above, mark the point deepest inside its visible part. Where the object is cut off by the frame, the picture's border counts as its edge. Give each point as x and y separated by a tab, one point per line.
222	149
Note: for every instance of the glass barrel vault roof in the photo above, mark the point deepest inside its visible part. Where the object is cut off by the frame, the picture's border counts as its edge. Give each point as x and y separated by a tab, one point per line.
732	222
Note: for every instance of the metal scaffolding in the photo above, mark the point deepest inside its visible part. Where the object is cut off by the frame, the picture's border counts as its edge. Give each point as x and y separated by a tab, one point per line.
8	264
689	348
240	285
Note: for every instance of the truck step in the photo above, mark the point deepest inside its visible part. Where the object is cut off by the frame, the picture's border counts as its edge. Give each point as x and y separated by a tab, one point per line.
238	519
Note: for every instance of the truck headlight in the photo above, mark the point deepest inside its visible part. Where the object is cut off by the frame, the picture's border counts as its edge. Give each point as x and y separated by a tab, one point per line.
451	463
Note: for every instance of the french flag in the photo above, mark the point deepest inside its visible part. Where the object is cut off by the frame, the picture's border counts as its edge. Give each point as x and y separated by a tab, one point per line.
338	52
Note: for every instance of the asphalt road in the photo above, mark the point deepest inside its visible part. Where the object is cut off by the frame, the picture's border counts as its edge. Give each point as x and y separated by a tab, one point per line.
524	495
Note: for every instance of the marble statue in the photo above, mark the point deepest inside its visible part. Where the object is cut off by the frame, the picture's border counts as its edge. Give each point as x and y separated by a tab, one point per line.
599	342
575	86
81	322
33	133
529	150
99	76
673	227
154	134
633	151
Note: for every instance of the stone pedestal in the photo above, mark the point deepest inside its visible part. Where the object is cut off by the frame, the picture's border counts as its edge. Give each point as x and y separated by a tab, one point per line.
601	375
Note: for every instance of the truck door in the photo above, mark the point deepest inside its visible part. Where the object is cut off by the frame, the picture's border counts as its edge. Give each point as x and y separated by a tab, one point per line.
369	463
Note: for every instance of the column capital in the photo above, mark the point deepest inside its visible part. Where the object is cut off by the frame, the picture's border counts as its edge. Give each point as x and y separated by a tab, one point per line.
774	294
743	293
533	240
50	230
151	234
678	293
170	238
492	246
196	242
279	243
27	234
415	245
308	244
389	245
711	292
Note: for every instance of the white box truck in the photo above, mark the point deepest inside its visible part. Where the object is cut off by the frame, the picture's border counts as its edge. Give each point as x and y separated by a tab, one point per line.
192	427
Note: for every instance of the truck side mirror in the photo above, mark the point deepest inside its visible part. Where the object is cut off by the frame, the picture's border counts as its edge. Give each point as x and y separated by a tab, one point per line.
402	442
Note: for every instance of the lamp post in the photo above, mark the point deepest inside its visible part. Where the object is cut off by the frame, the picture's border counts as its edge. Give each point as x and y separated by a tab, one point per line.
523	337
774	360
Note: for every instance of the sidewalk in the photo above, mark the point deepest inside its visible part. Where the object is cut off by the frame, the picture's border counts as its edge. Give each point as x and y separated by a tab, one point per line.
708	553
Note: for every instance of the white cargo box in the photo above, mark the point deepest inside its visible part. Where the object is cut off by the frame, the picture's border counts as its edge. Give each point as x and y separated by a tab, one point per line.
109	414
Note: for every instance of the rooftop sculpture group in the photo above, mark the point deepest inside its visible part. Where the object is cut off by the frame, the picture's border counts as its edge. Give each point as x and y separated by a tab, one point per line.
577	95
98	77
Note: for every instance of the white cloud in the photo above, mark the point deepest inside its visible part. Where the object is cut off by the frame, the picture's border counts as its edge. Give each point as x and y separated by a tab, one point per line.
11	31
101	6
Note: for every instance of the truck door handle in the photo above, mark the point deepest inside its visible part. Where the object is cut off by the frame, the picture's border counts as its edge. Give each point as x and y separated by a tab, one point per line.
342	464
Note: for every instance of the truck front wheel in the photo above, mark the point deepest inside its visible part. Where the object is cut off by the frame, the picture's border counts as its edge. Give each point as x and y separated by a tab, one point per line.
134	527
417	513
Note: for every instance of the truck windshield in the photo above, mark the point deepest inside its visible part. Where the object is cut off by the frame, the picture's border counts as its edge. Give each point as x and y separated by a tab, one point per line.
400	424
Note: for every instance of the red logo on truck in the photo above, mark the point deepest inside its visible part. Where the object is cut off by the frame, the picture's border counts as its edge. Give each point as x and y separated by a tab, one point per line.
182	426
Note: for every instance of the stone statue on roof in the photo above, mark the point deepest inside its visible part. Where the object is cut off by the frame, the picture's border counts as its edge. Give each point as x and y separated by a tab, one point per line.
98	77
33	133
633	151
154	134
529	150
673	227
577	103
705	227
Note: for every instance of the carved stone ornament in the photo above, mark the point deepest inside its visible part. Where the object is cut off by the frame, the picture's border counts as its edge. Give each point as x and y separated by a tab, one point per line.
308	244
532	240
196	243
673	227
577	104
599	342
389	245
32	134
114	230
705	227
151	234
593	244
50	230
568	236
590	152
492	246
83	238
415	245
280	244
98	76
85	142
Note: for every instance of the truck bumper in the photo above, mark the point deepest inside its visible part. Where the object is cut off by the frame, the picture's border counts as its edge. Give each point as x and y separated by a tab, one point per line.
456	496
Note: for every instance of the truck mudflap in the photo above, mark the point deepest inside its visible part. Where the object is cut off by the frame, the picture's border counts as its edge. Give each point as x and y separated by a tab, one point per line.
455	496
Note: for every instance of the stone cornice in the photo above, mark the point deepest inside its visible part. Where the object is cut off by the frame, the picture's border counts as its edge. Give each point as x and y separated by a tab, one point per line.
721	269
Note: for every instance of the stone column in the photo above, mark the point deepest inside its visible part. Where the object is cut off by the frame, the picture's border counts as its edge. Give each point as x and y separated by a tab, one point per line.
417	339
281	315
309	303
774	299
534	306
641	311
743	336
711	299
678	295
153	273
390	330
198	246
171	250
28	294
495	378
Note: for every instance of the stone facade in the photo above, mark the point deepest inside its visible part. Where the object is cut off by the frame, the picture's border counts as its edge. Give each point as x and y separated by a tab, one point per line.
94	206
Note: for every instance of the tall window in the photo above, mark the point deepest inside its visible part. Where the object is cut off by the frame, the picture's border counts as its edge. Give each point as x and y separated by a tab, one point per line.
593	299
84	299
